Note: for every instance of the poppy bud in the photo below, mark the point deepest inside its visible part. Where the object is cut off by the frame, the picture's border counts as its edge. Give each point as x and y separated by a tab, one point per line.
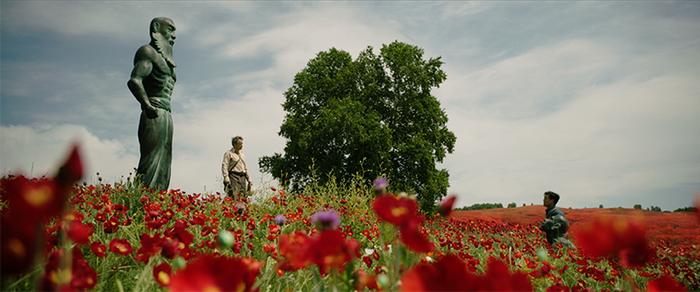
542	254
179	263
383	280
446	206
226	239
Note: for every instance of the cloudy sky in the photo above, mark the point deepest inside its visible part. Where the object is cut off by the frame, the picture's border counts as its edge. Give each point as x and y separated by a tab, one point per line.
599	102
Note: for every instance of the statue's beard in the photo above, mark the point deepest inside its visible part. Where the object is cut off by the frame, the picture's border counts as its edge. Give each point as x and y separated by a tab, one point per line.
163	47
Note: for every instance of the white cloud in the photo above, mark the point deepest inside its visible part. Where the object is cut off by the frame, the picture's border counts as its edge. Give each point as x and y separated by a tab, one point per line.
613	140
121	20
303	33
85	18
39	150
526	85
459	9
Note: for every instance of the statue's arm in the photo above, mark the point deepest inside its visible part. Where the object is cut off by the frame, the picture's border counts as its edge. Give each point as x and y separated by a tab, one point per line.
143	65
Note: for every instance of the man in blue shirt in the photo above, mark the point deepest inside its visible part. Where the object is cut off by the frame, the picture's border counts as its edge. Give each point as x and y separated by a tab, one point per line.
555	224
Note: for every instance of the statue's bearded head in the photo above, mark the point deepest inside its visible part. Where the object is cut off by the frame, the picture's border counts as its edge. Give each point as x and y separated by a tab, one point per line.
163	37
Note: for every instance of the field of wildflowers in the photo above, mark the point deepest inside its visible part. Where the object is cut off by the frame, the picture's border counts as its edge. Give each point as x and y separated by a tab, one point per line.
122	237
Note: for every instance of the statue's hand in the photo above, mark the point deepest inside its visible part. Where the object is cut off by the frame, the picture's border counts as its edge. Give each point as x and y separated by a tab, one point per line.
151	111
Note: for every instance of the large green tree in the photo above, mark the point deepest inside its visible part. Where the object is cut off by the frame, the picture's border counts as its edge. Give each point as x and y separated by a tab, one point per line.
371	116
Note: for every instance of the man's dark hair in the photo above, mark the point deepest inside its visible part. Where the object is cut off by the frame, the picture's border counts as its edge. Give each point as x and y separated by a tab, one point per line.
234	139
552	196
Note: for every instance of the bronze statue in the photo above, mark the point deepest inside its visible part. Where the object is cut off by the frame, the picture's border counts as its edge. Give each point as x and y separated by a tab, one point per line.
152	81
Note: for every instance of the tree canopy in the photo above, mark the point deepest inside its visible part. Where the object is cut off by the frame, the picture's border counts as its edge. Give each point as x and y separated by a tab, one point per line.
372	116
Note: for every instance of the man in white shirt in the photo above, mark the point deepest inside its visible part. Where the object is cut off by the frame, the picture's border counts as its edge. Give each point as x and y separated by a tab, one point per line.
234	170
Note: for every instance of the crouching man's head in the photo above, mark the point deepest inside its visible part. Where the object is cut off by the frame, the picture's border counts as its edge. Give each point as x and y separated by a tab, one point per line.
550	199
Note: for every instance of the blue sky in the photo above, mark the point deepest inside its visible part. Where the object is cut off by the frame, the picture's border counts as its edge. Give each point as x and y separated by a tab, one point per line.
597	101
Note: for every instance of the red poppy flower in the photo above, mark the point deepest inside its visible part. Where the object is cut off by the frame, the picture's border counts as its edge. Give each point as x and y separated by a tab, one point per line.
636	255
414	237
448	273
446	205
53	277
216	273
558	287
120	246
330	250
30	201
35	201
155	223
111	225
83	276
499	278
99	249
366	281
79	276
150	246
72	169
17	242
171	247
697	206
293	248
615	239
395	210
269	248
161	273
74	216
179	232
665	283
80	233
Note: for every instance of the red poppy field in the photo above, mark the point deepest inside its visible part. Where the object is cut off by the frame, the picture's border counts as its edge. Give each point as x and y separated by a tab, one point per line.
120	236
679	229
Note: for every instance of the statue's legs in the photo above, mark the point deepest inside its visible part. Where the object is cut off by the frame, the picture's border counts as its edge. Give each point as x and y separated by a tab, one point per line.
156	143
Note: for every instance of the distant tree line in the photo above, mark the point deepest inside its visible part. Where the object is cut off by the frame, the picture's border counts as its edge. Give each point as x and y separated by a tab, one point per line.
484	206
481	206
658	209
654	209
686	209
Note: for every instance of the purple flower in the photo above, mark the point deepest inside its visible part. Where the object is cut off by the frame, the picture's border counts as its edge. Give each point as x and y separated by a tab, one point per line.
239	207
280	219
328	219
380	184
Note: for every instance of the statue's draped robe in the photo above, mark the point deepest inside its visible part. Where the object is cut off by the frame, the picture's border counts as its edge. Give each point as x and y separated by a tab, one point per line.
156	134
